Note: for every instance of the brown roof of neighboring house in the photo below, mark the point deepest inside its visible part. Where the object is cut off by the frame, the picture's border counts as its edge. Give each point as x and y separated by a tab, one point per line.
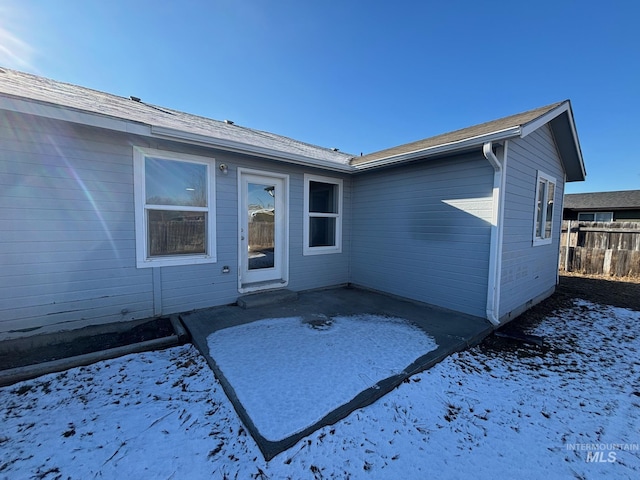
618	200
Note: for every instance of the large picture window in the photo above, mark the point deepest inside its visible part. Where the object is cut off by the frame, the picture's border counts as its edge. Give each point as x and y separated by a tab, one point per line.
173	196
545	198
323	215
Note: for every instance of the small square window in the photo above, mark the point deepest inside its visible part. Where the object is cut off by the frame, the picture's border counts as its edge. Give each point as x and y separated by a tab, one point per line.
323	215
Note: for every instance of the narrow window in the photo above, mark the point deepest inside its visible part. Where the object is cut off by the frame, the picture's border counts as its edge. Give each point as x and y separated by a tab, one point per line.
323	215
545	198
173	208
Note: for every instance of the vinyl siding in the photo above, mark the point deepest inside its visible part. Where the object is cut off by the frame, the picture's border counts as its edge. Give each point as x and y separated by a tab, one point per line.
317	271
528	271
67	231
67	242
423	231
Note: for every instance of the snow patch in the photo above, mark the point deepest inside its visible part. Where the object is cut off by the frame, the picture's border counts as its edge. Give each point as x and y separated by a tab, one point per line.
289	373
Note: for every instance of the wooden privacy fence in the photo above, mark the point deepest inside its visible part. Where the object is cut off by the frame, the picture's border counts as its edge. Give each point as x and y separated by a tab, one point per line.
261	235
176	237
602	248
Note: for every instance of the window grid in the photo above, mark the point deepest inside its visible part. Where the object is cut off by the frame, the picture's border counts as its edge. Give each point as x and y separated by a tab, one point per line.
545	200
323	215
174	205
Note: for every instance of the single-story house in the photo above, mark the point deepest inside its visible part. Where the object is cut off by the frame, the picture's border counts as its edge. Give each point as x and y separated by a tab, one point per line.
620	206
112	209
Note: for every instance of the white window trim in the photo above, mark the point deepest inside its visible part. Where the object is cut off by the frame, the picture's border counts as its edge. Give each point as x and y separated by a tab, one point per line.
337	248
537	240
142	258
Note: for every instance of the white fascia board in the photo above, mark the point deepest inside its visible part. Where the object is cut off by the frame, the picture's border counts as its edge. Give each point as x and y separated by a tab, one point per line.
547	117
238	147
465	144
574	134
69	114
533	125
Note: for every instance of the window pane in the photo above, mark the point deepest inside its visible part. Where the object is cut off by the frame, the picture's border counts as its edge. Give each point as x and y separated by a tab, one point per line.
604	217
586	217
170	182
540	210
262	225
176	232
322	232
549	217
323	197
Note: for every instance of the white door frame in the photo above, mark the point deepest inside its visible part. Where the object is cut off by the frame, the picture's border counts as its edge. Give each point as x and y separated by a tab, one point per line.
264	278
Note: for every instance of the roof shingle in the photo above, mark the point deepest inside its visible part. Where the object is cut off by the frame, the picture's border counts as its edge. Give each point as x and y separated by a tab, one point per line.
51	92
459	135
618	200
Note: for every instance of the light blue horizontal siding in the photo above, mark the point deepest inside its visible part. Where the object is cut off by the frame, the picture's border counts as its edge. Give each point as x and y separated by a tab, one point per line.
422	231
317	271
528	271
67	231
67	243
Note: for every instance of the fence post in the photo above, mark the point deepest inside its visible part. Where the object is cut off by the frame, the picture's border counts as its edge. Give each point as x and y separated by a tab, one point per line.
566	253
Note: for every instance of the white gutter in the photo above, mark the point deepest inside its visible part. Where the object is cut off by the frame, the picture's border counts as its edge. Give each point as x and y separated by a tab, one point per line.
450	147
238	147
74	115
497	229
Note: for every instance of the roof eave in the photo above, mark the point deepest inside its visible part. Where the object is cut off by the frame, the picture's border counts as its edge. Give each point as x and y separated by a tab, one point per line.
70	114
601	208
442	149
73	115
578	172
238	147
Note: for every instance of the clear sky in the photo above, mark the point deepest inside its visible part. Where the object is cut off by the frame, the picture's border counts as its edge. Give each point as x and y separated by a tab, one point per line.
356	75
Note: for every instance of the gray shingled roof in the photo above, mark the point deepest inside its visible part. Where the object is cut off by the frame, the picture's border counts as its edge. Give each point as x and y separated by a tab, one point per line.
619	200
501	124
50	92
40	94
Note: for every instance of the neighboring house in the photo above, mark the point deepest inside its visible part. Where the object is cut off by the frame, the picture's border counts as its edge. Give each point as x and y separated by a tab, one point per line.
112	209
620	206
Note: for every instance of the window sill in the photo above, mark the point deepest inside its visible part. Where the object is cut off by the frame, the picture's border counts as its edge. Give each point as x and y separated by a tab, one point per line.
175	261
542	241
321	250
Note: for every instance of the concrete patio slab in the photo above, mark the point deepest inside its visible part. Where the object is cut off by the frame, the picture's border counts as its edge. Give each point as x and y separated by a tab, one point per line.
452	331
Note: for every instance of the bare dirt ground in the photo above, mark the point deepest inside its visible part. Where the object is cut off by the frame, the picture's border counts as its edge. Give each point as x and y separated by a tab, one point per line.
14	354
600	290
615	291
619	292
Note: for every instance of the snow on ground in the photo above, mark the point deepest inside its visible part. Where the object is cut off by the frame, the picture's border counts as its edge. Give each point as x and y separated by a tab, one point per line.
487	413
292	372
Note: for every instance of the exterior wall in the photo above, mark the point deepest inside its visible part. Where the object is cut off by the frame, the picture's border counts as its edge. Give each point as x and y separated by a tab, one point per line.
67	231
626	216
618	215
528	272
422	231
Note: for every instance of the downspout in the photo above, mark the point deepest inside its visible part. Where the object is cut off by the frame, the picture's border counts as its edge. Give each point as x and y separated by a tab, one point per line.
497	221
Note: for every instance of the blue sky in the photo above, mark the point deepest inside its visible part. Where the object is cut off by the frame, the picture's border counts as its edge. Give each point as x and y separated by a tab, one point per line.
356	75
